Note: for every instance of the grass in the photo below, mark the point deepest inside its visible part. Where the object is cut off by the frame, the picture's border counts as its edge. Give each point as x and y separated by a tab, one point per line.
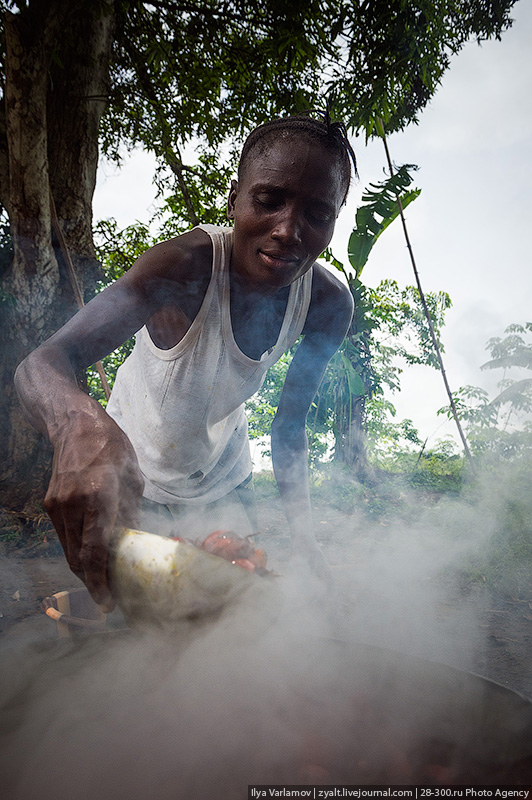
18	529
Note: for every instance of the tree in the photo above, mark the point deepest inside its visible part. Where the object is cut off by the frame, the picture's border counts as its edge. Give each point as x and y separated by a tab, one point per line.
501	428
389	331
512	351
395	54
56	70
365	363
79	73
350	406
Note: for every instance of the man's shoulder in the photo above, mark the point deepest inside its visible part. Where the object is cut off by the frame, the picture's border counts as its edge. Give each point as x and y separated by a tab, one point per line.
331	300
189	252
326	281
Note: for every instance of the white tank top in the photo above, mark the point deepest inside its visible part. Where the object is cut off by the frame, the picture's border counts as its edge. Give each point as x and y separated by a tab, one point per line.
183	408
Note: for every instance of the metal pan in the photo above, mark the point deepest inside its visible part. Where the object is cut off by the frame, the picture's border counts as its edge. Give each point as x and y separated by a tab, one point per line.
344	713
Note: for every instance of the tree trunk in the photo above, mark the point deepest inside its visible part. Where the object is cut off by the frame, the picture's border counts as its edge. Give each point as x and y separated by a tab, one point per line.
350	440
350	446
57	57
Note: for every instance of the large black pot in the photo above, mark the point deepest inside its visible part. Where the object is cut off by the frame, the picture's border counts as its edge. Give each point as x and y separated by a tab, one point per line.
117	715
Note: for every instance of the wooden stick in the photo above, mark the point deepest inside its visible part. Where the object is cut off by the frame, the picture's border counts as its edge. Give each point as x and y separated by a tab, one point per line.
427	315
75	286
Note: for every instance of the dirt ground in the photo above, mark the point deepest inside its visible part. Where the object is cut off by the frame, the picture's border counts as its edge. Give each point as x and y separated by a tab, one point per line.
462	624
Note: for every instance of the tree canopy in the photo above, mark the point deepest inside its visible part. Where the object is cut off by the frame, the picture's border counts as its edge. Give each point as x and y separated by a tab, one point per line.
176	71
209	72
247	61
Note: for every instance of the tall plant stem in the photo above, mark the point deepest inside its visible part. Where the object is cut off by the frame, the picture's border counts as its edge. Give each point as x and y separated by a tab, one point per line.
427	314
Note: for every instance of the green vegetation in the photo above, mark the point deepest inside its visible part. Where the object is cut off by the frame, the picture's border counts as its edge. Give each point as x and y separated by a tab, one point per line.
27	530
500	429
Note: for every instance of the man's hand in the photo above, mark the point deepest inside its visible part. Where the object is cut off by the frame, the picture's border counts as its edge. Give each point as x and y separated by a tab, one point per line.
96	487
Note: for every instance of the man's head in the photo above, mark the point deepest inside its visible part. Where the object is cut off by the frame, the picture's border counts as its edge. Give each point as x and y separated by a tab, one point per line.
331	136
293	177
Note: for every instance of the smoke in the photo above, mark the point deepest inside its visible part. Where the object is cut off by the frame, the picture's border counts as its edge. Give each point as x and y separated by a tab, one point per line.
395	592
423	582
287	694
155	716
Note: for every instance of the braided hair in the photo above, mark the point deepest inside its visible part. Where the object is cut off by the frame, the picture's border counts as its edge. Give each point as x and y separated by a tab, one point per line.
332	136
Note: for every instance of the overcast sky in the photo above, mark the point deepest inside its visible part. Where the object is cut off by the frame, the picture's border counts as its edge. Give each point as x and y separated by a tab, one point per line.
470	226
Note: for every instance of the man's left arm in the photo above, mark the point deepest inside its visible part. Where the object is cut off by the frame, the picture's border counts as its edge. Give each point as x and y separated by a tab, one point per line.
327	324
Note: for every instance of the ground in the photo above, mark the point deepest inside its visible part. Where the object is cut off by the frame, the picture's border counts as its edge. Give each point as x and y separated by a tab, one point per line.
402	602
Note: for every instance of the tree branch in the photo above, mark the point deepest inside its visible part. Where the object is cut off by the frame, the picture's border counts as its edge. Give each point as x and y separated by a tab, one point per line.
224	13
169	151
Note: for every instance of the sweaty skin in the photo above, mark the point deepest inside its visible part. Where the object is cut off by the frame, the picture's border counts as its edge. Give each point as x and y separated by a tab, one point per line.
283	209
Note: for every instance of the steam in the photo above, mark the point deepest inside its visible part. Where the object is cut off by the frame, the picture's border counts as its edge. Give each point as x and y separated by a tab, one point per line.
419	585
203	710
144	717
193	522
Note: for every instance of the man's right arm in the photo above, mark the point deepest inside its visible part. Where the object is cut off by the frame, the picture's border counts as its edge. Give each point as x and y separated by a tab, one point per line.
96	483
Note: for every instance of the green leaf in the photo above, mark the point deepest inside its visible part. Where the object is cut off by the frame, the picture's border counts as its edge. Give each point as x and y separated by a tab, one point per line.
354	381
521	357
379	127
380	210
358	249
513	393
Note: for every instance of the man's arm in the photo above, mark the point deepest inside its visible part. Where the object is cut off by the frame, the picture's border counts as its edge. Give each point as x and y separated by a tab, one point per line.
96	483
327	324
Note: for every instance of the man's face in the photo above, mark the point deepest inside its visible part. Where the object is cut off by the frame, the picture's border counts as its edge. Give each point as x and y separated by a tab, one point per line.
284	210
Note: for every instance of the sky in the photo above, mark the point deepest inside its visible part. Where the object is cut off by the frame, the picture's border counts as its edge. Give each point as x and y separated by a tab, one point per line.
469	227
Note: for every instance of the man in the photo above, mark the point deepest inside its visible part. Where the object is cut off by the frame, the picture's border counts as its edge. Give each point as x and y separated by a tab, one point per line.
215	307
